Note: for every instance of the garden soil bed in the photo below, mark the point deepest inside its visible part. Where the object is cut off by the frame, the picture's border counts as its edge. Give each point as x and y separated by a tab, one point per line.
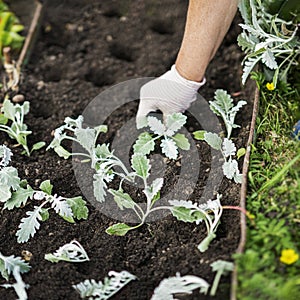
85	47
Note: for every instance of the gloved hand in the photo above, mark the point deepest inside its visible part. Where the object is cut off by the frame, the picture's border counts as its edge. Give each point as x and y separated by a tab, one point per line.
169	93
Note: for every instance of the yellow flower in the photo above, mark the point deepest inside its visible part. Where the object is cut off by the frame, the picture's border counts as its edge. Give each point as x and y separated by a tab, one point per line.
288	256
270	86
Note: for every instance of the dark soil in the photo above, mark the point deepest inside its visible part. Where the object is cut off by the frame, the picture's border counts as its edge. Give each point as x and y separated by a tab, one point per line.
85	47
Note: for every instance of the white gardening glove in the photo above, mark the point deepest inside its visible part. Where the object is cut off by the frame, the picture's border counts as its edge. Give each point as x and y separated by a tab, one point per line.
169	93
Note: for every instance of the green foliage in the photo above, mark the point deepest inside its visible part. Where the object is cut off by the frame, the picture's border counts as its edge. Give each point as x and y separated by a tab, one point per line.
273	199
223	106
104	290
11	265
179	285
10	29
16	193
267	39
14	114
71	252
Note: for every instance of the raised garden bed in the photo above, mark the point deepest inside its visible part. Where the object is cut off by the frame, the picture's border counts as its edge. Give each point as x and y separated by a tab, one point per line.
84	48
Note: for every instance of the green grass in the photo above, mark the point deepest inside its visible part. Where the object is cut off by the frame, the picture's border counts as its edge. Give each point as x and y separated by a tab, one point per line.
273	199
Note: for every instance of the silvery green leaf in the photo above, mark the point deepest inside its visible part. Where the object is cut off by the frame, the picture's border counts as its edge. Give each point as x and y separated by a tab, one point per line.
122	199
156	125
141	165
60	205
102	151
222	267
9	263
169	148
199	134
119	229
71	252
100	187
103	290
8	109
179	285
230	168
249	64
245	42
228	148
245	10
29	225
5	154
19	197
223	100
37	146
203	246
144	144
236	108
9	176
101	128
183	203
238	177
154	188
213	140
46	187
86	138
78	207
269	60
74	122
181	141
187	214
174	122
62	152
5	193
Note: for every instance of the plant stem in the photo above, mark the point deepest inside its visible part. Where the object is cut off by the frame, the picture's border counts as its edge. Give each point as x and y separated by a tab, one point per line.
215	283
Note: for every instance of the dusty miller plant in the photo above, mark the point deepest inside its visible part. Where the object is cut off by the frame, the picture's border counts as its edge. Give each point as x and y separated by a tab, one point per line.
94	290
223	106
17	129
105	164
15	193
266	39
11	265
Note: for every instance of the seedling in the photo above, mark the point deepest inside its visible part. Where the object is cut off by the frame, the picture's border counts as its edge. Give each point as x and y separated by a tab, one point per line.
170	142
15	193
103	290
67	208
264	41
102	160
187	211
71	252
179	285
222	268
223	106
15	266
15	113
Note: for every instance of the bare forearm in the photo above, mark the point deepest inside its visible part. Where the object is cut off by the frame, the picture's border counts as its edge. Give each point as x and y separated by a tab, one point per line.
206	25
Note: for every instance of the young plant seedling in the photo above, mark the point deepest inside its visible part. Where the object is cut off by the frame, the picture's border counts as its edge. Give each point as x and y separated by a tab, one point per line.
187	211
102	160
264	41
71	252
15	266
179	285
223	106
103	290
15	192
222	268
67	208
170	142
15	113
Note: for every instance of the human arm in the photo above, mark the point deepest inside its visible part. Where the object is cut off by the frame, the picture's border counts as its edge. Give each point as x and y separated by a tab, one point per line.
206	25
